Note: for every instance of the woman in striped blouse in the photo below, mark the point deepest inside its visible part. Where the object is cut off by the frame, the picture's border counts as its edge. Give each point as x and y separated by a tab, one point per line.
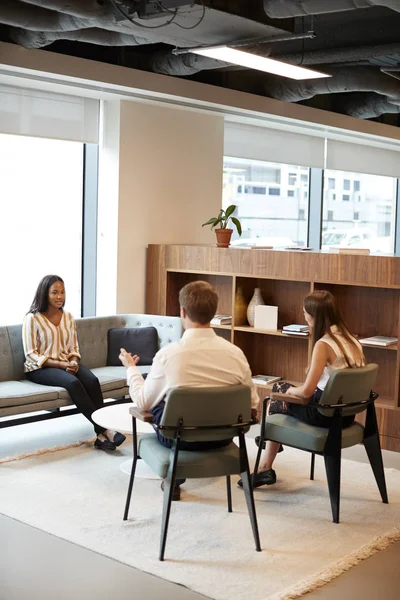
52	355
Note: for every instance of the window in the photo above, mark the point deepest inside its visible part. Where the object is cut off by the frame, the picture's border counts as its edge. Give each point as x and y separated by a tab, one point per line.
331	183
333	196
41	187
274	192
346	184
365	218
277	215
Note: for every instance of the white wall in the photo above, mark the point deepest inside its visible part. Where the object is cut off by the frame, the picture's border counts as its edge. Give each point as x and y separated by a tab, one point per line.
170	182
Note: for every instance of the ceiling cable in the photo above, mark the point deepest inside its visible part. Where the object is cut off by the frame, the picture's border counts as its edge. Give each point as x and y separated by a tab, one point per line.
174	13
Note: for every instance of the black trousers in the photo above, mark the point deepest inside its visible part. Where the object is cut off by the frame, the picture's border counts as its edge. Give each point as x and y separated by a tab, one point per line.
157	413
83	387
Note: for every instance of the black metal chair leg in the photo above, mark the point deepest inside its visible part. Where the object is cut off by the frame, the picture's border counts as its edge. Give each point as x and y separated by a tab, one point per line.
229	492
312	466
168	489
332	466
373	448
133	469
248	492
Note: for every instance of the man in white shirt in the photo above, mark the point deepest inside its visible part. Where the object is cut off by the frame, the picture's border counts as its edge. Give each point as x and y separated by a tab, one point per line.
199	359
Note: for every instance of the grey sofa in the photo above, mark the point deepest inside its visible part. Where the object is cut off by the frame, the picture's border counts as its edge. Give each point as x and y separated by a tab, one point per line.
19	396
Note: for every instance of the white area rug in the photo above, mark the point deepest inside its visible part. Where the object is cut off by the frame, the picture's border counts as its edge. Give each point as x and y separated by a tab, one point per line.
78	494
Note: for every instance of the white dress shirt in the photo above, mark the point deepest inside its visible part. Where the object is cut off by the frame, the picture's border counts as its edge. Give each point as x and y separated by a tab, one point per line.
199	359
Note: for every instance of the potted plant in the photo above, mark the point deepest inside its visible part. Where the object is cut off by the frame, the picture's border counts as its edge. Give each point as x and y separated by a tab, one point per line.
222	232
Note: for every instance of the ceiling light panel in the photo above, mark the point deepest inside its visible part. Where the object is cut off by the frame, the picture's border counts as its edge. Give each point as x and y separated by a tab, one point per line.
260	63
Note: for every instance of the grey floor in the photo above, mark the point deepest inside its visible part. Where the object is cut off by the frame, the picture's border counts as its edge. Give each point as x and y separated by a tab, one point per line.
38	566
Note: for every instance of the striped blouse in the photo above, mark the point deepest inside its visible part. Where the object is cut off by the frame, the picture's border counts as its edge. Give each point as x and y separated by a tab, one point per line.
43	340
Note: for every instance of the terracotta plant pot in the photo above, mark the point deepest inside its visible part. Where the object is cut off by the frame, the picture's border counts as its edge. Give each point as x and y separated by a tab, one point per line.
223	237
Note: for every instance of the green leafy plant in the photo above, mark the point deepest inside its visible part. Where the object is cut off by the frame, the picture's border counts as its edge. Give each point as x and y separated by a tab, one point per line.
223	218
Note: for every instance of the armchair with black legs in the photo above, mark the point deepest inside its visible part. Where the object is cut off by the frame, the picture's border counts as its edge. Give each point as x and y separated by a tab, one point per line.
347	392
198	415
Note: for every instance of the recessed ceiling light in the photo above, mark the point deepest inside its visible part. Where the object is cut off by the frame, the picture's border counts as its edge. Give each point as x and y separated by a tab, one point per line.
260	63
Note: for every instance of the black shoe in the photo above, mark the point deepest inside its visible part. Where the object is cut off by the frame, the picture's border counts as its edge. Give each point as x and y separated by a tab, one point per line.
176	491
104	445
262	478
257	441
118	438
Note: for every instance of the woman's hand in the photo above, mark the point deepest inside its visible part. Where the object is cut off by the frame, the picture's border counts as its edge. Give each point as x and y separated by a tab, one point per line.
63	364
127	359
292	391
73	366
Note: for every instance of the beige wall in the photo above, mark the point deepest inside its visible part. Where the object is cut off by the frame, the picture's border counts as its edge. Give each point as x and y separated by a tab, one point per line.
170	182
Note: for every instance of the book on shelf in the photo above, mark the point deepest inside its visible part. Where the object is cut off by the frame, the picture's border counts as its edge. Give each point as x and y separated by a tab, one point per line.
302	330
379	340
221	320
353	250
261	247
265	379
295	328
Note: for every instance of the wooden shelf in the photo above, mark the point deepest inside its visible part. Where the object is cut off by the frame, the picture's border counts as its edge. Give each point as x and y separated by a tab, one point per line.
366	289
249	329
391	347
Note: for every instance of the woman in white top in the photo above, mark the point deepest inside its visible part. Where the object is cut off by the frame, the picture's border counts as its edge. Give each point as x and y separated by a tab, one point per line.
334	347
52	355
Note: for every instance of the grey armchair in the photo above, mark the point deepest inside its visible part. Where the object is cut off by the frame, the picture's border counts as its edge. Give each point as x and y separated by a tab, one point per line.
195	415
348	392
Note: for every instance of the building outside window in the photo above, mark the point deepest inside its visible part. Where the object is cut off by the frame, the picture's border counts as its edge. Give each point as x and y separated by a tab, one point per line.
277	217
41	190
363	218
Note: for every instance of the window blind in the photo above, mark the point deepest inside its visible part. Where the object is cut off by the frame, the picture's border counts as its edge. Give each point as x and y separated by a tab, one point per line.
273	145
358	158
46	114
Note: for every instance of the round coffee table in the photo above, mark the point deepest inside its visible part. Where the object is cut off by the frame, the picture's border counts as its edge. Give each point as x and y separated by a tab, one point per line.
117	418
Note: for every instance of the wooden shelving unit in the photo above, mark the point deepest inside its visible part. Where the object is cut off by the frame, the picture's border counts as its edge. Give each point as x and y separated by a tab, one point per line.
366	288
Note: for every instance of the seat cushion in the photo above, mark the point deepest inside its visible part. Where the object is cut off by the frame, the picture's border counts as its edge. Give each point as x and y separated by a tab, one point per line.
289	430
16	393
210	463
142	341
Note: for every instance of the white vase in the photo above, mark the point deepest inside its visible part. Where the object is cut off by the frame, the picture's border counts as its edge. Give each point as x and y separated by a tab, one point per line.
256	300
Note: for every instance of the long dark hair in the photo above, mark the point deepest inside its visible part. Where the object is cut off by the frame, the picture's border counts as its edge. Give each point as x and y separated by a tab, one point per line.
41	300
322	307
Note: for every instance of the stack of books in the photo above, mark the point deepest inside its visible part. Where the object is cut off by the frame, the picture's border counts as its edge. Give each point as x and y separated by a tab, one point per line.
296	329
221	320
265	379
379	340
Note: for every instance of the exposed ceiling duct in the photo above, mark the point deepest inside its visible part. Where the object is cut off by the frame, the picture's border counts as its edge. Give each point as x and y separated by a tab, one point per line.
283	9
364	79
366	106
340	55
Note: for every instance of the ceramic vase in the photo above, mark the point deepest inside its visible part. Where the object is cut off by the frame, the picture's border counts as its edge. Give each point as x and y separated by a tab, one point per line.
256	300
240	308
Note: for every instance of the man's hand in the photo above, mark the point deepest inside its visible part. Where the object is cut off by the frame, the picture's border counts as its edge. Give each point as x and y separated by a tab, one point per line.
127	359
73	366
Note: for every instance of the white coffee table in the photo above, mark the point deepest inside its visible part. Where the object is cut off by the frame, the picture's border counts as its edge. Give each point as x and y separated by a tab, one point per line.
117	418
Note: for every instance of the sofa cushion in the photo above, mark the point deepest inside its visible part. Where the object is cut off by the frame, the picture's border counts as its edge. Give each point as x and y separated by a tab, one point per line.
138	340
6	357
92	338
15	393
